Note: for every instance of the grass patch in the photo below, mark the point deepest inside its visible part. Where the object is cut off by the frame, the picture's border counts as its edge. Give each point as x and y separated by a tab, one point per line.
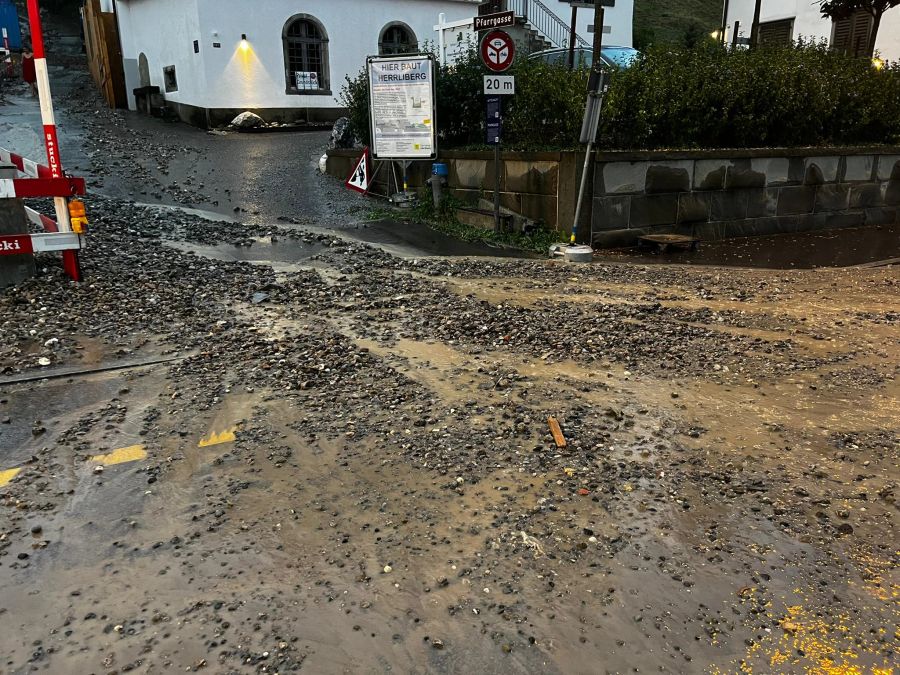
667	21
443	219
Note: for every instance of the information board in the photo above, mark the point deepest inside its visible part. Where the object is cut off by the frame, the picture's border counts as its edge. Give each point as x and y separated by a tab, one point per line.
401	107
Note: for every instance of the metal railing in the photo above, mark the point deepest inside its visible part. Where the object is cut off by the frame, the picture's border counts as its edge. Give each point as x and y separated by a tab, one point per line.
545	22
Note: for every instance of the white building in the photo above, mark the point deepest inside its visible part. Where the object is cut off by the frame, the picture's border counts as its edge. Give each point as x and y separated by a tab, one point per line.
288	60
784	20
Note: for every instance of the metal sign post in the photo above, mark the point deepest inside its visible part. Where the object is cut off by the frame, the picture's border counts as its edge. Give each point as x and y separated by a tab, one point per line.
402	112
597	85
597	6
494	126
498	50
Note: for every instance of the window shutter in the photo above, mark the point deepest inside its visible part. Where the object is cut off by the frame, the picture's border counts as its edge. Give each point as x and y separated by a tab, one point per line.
851	35
862	29
841	40
776	32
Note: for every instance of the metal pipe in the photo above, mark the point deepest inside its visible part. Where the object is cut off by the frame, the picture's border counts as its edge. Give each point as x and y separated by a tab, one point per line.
572	34
497	185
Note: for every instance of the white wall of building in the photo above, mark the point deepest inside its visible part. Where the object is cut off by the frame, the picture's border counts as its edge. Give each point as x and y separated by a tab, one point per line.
164	31
809	22
253	76
230	76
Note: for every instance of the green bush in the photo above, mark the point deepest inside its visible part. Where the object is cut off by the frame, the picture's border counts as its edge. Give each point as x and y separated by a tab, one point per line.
675	97
548	98
713	98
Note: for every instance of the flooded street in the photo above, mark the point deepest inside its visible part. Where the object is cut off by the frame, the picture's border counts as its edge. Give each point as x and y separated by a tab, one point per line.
347	467
264	445
874	245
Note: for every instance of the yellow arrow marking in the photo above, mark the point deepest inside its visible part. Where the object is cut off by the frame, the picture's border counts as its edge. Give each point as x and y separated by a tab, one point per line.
226	436
132	453
8	475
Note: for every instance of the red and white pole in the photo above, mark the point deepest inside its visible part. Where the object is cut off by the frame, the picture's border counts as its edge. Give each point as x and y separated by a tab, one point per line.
70	258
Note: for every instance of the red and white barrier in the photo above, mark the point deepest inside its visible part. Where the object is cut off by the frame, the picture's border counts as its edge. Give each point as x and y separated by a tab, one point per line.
45	181
25	188
46	242
25	165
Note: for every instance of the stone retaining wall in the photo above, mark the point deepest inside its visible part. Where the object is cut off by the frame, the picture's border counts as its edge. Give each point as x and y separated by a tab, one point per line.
711	194
540	186
741	193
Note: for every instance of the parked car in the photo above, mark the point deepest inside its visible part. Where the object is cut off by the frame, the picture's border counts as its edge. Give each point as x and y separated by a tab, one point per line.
617	57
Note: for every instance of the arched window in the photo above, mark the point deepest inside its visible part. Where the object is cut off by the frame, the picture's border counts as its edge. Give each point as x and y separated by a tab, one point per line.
397	38
305	56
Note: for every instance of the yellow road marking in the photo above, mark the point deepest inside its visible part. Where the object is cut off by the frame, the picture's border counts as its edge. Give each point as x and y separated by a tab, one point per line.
132	453
8	475
226	436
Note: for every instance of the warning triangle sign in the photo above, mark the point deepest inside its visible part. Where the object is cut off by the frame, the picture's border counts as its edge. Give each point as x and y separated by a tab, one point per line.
359	178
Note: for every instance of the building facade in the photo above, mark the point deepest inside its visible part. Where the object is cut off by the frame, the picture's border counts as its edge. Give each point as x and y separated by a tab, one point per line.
782	21
287	61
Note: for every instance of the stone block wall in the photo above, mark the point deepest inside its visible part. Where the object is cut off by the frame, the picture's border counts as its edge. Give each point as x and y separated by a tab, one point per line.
717	194
535	185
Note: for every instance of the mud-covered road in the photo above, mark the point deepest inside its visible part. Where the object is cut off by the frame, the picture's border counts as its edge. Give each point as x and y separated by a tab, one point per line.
306	454
347	467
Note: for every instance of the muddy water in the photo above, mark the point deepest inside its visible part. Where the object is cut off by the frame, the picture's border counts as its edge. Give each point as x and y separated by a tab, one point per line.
668	537
807	250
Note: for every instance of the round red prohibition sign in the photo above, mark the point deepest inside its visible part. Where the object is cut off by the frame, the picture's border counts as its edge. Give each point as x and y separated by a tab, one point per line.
498	50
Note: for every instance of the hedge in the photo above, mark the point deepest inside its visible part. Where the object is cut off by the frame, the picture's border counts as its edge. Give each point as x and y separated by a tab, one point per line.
674	98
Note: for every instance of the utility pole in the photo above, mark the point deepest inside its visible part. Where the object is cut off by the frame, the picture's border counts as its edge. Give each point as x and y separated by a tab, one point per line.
597	47
754	29
572	37
724	23
596	89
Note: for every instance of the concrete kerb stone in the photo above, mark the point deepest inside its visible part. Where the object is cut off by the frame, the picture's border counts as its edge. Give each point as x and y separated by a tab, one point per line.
859	168
824	168
866	195
775	169
832	197
622	178
672	176
709	174
889	167
796	200
611	213
742	174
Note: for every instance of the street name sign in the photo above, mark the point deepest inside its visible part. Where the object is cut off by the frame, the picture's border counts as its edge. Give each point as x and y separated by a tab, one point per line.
498	50
492	21
499	85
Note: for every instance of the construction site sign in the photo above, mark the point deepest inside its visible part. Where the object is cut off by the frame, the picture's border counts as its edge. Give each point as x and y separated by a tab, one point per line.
360	176
401	105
